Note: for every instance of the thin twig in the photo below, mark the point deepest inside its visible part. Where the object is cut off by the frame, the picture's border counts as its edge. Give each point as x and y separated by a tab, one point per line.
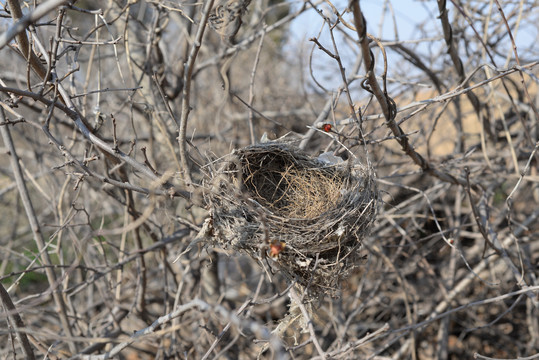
479	356
16	323
388	106
358	343
517	59
185	108
296	299
459	67
74	115
201	305
36	230
252	89
24	21
502	73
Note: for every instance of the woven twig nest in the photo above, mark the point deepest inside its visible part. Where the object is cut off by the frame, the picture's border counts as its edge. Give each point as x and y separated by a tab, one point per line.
301	215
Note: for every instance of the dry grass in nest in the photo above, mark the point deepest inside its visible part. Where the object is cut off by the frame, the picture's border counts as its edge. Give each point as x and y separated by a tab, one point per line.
296	193
309	216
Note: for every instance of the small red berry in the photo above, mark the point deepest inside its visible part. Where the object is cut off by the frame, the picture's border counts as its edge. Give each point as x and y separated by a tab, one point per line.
327	127
276	248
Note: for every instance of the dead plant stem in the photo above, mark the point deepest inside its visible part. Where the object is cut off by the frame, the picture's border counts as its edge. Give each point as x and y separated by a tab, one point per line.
16	322
186	92
388	105
295	298
36	230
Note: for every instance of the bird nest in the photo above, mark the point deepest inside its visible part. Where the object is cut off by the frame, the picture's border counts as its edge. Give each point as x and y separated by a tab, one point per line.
303	216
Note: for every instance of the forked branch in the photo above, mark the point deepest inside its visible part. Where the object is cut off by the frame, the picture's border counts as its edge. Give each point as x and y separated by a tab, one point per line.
388	105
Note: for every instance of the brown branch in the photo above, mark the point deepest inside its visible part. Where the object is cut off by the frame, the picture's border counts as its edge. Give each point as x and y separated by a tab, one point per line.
111	153
25	21
515	51
388	105
16	322
19	30
102	145
36	230
457	63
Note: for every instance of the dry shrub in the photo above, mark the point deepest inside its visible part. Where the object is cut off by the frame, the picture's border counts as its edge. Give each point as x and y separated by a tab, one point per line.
310	216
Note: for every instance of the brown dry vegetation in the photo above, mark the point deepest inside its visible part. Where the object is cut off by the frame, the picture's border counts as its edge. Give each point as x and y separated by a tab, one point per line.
114	113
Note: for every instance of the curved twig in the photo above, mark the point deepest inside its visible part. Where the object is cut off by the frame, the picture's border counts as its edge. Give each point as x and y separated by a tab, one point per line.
23	22
457	63
387	104
101	144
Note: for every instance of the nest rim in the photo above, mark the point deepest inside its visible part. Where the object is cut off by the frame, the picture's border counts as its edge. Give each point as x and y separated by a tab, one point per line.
316	250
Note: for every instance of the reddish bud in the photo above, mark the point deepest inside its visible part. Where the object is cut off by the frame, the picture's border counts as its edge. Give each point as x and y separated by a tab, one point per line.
276	248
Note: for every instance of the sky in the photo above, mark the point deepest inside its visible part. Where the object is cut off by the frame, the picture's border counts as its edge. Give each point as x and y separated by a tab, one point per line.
380	24
403	20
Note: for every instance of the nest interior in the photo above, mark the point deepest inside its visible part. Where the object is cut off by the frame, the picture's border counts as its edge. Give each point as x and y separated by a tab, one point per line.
305	217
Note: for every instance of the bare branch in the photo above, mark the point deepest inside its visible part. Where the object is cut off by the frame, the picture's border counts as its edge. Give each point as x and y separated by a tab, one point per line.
186	172
36	230
16	322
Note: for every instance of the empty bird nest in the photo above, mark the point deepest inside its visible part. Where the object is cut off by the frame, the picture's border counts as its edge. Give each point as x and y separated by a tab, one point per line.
305	217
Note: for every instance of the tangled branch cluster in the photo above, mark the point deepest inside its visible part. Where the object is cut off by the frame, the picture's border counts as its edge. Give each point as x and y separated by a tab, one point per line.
111	110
